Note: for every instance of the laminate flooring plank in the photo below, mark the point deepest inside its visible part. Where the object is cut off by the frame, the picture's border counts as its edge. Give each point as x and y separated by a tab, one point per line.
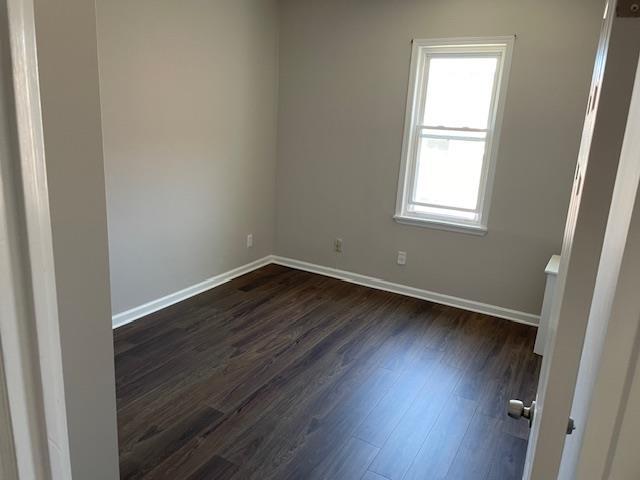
349	463
402	446
283	374
473	459
439	449
300	379
508	460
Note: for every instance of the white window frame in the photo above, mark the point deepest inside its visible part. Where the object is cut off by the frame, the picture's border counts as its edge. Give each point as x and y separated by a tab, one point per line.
502	48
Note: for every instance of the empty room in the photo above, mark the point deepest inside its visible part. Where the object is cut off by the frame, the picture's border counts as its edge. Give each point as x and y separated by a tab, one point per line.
320	239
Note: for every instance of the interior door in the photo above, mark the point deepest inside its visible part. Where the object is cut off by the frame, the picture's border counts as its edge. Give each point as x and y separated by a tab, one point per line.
612	342
582	244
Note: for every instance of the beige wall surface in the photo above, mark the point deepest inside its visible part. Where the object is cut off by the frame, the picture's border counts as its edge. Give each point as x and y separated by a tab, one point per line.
189	114
343	83
67	65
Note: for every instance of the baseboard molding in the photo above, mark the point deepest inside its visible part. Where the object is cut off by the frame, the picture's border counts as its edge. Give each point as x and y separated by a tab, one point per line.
135	313
378	283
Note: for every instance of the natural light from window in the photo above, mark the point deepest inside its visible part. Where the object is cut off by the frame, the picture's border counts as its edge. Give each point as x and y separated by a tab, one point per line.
452	113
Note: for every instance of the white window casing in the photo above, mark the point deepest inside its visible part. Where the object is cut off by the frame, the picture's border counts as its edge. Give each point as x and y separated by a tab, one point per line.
470	140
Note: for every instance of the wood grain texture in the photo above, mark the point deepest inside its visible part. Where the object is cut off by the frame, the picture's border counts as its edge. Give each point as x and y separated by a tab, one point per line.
283	374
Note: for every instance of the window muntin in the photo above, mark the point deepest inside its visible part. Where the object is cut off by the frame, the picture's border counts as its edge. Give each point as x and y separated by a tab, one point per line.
451	120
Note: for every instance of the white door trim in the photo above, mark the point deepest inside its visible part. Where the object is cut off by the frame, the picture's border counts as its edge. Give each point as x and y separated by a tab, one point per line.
594	182
612	344
8	459
600	148
29	327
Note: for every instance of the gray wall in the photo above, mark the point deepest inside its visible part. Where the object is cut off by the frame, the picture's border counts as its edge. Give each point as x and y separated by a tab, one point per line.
195	96
343	82
189	94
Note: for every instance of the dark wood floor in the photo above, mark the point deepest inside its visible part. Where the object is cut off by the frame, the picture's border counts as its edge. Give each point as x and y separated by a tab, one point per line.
282	374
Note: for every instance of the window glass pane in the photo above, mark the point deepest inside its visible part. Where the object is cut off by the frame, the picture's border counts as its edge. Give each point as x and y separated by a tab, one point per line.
459	90
449	172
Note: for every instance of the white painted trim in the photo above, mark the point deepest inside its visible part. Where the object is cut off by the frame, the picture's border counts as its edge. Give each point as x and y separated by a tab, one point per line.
441	225
135	313
31	339
8	458
503	47
553	266
380	284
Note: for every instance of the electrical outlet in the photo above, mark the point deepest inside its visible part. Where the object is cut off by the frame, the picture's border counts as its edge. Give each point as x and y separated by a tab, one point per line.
337	245
402	258
250	240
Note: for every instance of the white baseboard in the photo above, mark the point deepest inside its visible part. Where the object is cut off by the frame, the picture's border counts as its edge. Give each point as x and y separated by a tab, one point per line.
138	312
378	283
135	313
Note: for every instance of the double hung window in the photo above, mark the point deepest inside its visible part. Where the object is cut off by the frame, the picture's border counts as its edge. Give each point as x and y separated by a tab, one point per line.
454	103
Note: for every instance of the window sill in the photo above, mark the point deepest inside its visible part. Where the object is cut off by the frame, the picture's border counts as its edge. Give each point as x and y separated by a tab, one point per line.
441	225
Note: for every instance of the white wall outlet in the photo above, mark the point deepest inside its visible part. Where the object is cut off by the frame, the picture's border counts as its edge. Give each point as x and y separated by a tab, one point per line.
337	245
250	240
402	258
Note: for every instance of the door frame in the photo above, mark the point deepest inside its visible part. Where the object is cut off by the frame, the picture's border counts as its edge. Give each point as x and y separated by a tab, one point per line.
609	369
8	459
29	329
55	327
594	181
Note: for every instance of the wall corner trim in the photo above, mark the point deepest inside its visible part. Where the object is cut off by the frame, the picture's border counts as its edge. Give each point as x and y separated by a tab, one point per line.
135	313
380	284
